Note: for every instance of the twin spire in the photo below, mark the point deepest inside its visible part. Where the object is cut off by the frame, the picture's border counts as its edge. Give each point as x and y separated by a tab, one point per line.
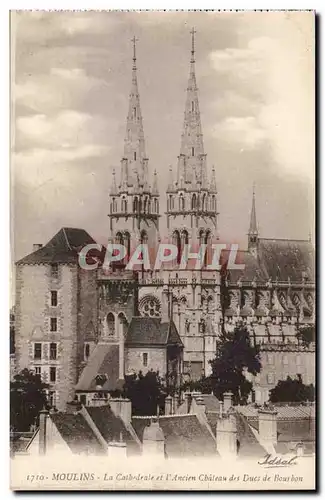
134	168
192	170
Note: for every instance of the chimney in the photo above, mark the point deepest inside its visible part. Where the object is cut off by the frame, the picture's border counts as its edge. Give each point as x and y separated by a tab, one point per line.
227	401
300	449
267	425
37	246
153	440
175	404
117	449
122	408
227	436
188	401
43	416
168	405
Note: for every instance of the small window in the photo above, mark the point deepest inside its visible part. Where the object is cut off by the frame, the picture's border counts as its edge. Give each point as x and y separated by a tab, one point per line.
192	151
54	324
285	359
135	112
298	360
135	155
53	350
87	351
270	378
54	298
192	106
37	350
38	370
83	399
270	359
145	359
54	270
52	374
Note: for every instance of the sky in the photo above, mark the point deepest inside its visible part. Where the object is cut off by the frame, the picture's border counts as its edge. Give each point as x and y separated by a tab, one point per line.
71	77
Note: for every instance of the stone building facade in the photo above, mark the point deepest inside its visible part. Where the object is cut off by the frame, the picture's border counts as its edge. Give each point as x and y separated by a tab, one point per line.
273	295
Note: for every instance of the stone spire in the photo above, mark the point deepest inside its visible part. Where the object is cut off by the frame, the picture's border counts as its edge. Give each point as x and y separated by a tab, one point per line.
170	186
253	224
253	231
134	158
113	187
213	184
192	140
155	190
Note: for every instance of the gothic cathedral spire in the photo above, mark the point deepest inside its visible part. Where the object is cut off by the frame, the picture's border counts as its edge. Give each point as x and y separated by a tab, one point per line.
253	231
191	165
192	199
134	160
134	205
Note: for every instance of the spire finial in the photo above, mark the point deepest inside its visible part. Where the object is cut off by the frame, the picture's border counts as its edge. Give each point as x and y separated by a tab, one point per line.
253	224
193	45
134	41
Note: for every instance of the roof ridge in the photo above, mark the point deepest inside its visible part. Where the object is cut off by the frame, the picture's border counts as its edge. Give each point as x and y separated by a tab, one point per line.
66	239
285	239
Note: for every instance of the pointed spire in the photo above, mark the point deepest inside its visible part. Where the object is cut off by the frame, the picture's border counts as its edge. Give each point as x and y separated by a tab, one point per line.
213	184
155	184
253	224
134	143
170	186
192	139
114	187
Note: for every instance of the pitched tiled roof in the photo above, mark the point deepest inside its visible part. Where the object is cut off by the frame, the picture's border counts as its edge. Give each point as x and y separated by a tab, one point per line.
144	330
276	259
289	412
248	443
104	360
77	433
184	435
62	248
111	427
283	259
210	402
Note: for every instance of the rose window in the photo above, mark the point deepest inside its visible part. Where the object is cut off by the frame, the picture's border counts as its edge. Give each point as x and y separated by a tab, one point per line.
150	306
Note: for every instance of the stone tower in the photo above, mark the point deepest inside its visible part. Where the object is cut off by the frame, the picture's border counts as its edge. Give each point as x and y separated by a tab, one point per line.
134	204
192	220
191	198
253	231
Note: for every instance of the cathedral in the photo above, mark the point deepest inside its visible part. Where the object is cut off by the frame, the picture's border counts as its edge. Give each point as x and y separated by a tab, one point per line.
83	330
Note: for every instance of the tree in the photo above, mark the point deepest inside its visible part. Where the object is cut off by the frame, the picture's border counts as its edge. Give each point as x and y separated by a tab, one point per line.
292	391
306	335
146	392
234	355
27	399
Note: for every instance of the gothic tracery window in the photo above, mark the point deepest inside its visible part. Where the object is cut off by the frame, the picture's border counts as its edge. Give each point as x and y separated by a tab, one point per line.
150	306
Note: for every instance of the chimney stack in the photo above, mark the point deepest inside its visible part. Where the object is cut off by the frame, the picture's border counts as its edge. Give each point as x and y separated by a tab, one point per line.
227	401
267	425
154	440
168	405
122	408
227	436
43	416
37	246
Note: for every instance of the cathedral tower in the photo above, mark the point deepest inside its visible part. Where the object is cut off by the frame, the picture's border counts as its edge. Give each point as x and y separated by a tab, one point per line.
191	198
134	204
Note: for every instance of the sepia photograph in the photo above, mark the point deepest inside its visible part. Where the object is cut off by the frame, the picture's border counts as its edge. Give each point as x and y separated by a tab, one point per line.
163	285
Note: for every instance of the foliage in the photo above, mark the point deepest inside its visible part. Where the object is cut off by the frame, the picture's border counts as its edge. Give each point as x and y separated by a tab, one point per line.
292	391
306	335
146	392
27	399
234	356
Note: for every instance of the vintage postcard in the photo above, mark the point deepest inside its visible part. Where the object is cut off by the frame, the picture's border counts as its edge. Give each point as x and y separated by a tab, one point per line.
162	322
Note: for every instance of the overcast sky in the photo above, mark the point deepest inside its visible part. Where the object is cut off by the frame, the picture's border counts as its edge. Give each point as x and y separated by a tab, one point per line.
71	79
